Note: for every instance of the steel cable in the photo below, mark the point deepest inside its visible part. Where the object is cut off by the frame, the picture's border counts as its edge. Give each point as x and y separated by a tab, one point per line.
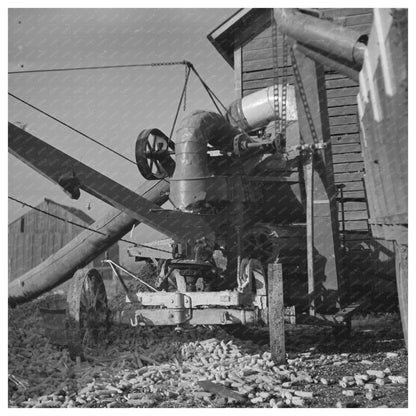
81	225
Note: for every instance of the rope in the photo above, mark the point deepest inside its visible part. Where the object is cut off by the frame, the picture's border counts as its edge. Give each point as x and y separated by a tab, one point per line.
80	225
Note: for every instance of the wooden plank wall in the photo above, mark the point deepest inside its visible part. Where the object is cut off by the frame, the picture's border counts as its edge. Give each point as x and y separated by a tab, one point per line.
254	66
383	109
36	236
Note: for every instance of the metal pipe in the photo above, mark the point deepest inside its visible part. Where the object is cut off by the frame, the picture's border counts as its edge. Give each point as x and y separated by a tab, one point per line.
325	59
80	251
189	182
113	265
328	37
256	110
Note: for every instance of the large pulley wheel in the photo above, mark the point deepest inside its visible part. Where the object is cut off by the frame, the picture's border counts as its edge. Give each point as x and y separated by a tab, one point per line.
153	154
87	310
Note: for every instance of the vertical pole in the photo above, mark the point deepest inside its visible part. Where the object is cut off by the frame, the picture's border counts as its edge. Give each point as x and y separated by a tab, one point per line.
314	130
345	284
276	313
308	169
238	74
239	248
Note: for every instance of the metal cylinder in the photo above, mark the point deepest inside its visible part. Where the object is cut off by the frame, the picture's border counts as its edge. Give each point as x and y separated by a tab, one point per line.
256	110
324	59
189	182
62	265
336	40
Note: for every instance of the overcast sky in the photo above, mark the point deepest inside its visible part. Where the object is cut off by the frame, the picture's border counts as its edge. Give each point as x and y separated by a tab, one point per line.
111	105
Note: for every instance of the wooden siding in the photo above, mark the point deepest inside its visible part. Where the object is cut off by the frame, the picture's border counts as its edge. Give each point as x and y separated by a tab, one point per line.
383	111
35	236
256	72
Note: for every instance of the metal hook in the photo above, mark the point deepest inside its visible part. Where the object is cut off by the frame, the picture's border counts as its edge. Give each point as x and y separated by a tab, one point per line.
134	322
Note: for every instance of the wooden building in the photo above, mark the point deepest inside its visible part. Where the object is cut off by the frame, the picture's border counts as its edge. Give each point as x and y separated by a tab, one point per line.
35	236
245	41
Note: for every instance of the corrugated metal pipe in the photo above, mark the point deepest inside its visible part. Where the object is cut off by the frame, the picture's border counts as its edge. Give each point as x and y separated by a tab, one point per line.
80	251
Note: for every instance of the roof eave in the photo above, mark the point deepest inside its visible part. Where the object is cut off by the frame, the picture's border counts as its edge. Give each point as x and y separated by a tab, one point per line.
224	38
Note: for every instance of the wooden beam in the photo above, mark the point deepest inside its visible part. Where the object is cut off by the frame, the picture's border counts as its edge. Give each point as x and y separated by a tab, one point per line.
276	313
308	169
238	71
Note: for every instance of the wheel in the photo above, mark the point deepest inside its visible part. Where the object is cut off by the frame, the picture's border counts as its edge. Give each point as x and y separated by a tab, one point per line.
87	311
153	151
401	279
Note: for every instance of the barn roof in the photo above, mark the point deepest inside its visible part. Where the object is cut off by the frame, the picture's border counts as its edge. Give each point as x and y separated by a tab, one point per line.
239	28
74	211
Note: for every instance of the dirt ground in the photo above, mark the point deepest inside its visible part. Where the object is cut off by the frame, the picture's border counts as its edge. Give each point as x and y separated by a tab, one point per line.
160	367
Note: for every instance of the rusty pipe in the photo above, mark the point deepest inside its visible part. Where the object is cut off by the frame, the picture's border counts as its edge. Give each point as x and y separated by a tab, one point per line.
80	251
336	40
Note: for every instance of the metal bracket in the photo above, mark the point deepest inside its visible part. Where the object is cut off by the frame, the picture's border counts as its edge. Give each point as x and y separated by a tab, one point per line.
305	147
178	311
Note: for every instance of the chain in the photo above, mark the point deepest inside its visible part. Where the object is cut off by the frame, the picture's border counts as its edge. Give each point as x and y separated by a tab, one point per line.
284	96
301	89
280	113
275	75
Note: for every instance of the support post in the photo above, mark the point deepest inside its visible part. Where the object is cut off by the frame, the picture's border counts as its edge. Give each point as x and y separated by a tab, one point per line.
276	313
308	170
314	130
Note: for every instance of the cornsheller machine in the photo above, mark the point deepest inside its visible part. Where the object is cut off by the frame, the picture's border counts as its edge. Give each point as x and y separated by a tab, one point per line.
235	255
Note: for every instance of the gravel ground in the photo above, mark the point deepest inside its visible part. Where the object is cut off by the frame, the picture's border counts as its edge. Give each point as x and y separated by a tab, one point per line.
159	367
